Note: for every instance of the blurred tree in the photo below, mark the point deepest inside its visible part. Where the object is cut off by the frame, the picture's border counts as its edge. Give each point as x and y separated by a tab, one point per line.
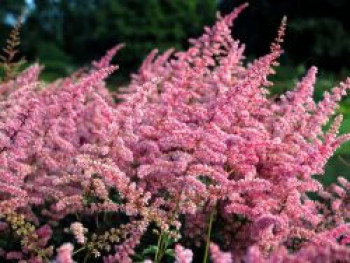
144	25
76	31
10	10
83	29
318	30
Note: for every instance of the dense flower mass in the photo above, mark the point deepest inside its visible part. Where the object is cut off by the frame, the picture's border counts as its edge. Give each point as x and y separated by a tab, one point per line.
195	149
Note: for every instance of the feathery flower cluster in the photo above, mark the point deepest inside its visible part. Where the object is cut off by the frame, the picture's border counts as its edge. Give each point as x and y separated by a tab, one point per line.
183	255
208	130
196	138
64	254
78	231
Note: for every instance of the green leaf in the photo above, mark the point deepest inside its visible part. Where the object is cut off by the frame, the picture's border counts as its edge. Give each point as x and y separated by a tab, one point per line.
150	250
170	252
206	180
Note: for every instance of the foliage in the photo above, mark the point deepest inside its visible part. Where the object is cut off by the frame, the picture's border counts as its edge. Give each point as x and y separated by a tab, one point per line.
83	29
318	36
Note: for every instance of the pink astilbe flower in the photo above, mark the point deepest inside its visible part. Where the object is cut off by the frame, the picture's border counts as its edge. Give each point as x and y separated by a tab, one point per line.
14	255
78	231
44	233
29	76
183	255
196	135
310	253
126	249
61	145
218	256
105	61
64	254
207	128
43	129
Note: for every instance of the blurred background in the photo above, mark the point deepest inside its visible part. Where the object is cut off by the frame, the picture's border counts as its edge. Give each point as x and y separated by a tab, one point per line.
65	35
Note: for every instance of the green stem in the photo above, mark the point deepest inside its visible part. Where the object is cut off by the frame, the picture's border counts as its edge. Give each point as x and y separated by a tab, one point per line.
163	248
77	216
78	250
104	216
97	221
159	245
86	256
205	259
343	160
45	258
163	240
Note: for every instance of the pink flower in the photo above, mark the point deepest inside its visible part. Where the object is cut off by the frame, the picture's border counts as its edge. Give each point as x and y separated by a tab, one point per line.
78	231
183	255
218	256
64	254
196	134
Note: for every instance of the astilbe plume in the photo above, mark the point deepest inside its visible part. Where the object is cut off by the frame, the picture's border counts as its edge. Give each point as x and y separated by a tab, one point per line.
182	255
64	254
196	136
61	145
78	231
212	137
